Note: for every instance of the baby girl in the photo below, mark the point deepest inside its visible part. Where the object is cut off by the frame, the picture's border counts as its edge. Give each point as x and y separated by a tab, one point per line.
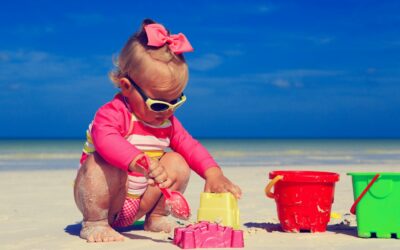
111	190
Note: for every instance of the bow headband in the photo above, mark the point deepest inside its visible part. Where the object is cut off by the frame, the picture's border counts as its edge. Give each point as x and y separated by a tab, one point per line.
157	36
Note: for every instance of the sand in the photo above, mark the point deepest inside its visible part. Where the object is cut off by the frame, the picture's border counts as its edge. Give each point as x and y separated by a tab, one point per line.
37	211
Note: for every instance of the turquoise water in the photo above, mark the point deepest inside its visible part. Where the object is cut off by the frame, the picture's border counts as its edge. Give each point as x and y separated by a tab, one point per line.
57	154
304	152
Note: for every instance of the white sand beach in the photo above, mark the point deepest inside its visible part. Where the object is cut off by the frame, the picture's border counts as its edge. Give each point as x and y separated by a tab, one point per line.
37	211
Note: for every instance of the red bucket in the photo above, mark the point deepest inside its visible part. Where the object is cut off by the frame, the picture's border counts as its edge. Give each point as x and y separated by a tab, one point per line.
303	198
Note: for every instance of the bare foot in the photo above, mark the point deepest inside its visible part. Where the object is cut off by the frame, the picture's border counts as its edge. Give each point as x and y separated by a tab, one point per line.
158	223
99	231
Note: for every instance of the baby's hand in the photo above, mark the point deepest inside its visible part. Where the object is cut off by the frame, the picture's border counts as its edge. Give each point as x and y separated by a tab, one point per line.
157	174
216	182
152	169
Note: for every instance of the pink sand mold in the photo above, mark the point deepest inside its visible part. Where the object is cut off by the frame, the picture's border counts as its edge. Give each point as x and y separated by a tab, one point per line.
208	235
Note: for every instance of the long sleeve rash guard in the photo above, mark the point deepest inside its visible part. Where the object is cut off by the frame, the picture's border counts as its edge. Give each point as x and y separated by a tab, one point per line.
118	136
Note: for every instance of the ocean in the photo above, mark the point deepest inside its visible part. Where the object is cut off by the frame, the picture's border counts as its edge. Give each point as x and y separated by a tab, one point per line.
65	154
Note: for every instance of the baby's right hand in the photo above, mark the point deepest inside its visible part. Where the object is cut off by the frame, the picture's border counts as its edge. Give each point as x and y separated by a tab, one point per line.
157	174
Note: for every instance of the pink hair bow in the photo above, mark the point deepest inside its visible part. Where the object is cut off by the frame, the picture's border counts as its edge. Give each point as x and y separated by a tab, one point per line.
158	36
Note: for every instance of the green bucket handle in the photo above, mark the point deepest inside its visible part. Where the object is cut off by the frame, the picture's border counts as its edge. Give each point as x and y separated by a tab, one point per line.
353	208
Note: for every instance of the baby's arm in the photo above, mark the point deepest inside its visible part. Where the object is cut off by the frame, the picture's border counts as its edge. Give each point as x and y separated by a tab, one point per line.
216	182
107	134
200	160
194	153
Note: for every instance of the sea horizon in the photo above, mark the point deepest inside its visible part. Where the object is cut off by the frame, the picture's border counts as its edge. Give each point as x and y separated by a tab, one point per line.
226	138
36	154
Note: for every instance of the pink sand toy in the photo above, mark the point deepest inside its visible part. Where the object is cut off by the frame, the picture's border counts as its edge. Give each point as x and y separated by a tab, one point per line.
174	200
208	235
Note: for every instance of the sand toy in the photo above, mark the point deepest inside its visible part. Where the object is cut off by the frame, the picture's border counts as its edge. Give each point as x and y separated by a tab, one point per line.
208	235
303	199
219	207
377	204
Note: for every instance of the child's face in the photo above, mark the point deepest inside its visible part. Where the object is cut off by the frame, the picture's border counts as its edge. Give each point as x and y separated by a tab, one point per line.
169	93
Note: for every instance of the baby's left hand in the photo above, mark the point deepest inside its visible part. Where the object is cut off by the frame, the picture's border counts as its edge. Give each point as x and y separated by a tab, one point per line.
158	174
216	182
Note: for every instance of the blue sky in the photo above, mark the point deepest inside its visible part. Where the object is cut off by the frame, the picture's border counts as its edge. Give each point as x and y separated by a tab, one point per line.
259	69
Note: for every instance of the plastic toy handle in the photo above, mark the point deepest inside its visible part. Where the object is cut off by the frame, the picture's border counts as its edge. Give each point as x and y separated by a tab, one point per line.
353	208
268	188
165	191
144	162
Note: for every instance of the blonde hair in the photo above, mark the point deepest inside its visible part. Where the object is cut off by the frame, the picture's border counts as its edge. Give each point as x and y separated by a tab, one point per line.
140	61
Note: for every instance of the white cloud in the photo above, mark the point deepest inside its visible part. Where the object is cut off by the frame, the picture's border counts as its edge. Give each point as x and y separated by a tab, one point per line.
281	83
320	40
284	79
241	8
3	57
234	52
291	78
393	43
14	86
266	8
44	74
35	65
307	73
21	55
205	62
29	30
371	70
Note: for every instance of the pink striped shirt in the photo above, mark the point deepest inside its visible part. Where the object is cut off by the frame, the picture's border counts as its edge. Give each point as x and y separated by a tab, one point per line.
118	136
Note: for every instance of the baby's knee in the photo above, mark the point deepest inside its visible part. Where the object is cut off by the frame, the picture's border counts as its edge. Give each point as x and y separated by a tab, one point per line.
100	188
96	171
176	166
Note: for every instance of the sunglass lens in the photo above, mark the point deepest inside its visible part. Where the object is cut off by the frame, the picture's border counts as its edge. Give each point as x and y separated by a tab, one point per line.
159	107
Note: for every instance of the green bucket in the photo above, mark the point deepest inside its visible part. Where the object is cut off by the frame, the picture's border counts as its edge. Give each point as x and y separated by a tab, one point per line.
377	204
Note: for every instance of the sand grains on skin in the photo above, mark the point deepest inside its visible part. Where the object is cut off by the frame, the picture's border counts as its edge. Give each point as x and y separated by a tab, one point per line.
99	231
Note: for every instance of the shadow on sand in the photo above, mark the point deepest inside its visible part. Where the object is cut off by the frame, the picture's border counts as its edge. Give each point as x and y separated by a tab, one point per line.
74	229
276	227
267	226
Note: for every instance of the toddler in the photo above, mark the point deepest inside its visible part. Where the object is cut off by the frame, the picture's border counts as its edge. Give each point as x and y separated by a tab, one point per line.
111	190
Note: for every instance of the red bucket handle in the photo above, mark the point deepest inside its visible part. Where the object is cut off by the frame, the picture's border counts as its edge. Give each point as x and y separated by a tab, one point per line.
353	208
